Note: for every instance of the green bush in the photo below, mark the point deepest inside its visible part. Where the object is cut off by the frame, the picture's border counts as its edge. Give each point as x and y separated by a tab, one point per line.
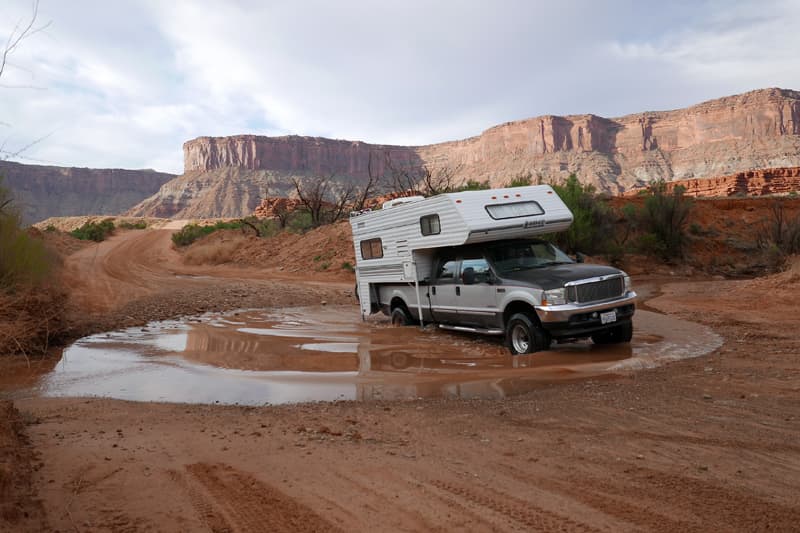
141	224
348	266
191	232
473	185
664	217
23	259
299	221
94	231
592	220
521	180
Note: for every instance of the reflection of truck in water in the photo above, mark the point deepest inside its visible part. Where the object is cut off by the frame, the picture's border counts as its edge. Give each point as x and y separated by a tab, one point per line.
470	261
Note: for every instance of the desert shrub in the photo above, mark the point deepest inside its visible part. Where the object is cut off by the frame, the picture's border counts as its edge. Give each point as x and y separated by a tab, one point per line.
663	220
261	227
31	300
778	235
50	228
592	220
521	180
695	228
299	221
141	224
94	231
23	259
191	232
473	185
348	266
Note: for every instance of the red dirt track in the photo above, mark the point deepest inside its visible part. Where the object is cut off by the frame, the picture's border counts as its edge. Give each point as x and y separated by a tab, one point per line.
706	444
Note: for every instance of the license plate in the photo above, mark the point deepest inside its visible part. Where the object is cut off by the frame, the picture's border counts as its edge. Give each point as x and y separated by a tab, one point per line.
609	317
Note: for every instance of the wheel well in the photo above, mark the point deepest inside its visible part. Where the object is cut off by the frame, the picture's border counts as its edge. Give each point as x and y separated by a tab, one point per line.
397	302
520	307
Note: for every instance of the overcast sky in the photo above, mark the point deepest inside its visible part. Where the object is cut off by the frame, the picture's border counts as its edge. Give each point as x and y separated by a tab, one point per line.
123	83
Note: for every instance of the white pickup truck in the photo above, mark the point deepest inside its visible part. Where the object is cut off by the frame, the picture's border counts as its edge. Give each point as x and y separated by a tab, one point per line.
471	261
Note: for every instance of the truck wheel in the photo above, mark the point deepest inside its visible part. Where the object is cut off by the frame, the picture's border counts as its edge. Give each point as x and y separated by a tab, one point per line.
400	317
616	335
524	336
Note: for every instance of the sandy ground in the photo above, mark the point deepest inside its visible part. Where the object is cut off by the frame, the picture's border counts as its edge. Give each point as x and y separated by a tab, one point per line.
708	444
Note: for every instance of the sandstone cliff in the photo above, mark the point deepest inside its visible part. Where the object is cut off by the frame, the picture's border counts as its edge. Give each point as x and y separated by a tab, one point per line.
762	182
759	129
41	192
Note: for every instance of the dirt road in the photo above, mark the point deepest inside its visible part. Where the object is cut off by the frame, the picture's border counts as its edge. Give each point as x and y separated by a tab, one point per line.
707	444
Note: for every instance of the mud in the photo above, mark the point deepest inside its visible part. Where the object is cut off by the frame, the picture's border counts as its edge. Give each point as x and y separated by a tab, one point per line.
327	354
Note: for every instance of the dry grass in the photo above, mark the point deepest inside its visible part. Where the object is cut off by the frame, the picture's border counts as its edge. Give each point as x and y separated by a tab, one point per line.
31	318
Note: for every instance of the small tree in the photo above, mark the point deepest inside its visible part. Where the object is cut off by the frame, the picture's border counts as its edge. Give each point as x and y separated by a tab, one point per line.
664	218
592	221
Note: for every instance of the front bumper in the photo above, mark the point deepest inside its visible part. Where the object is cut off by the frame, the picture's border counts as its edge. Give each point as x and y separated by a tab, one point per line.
571	320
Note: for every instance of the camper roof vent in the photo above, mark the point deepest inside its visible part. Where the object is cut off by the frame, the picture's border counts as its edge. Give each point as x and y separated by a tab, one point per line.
400	201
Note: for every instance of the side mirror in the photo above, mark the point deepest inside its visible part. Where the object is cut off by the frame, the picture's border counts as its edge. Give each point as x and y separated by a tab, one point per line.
579	257
468	276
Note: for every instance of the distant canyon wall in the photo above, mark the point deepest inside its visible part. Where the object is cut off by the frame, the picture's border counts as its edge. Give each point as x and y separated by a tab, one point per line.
41	192
759	129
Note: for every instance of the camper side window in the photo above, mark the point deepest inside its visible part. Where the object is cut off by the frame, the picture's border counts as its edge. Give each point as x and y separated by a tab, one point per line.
372	249
429	225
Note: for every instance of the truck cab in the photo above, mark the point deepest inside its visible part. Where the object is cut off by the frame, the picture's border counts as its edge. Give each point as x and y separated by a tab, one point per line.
525	289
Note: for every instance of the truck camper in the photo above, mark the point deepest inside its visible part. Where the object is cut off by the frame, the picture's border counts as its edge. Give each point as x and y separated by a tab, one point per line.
473	261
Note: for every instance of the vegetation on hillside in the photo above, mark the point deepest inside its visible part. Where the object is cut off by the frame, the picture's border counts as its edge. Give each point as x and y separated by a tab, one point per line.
94	231
31	299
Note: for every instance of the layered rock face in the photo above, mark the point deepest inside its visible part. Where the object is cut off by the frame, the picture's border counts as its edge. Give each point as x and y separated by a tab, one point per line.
41	192
759	129
770	181
294	154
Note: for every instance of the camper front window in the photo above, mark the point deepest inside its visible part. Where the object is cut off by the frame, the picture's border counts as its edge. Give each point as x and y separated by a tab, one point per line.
514	210
372	249
429	225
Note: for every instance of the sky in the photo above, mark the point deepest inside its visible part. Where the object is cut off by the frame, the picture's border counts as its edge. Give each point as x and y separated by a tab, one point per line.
124	83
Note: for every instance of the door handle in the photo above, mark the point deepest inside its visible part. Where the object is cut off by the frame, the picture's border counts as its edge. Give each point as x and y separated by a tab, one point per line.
458	291
433	290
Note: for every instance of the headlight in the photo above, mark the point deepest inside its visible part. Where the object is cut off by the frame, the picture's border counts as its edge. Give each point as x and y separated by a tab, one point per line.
554	297
627	280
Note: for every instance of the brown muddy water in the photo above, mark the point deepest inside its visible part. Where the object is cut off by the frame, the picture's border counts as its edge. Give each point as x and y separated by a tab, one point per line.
328	353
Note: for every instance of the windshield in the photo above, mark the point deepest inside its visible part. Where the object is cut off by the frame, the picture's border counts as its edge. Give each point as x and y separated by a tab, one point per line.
523	255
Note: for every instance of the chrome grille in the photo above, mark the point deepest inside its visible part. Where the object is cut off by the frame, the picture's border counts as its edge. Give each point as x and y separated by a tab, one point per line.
596	290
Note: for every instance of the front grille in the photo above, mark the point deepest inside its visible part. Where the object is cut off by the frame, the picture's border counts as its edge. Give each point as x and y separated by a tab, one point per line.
596	290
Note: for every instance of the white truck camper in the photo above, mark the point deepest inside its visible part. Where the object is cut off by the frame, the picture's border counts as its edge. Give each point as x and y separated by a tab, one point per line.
470	261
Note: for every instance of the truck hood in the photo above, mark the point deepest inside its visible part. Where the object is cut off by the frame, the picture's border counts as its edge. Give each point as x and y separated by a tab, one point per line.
556	276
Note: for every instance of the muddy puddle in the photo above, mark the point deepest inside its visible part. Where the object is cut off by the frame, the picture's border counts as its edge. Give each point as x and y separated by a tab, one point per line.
327	354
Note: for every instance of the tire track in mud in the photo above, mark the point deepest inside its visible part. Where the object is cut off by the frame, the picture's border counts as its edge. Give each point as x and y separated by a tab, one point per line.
692	503
237	502
525	513
208	515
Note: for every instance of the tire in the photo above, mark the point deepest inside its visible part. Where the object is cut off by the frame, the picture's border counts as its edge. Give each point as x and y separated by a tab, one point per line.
400	317
616	335
523	335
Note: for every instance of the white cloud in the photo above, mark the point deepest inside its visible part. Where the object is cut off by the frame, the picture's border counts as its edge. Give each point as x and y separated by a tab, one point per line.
127	82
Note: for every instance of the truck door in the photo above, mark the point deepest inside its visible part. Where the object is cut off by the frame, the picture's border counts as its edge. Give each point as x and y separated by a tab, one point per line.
443	290
476	297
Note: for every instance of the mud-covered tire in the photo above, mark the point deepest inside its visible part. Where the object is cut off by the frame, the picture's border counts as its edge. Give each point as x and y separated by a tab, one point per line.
400	317
617	335
524	335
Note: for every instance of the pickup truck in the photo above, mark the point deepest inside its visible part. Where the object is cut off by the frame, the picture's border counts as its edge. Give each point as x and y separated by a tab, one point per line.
525	289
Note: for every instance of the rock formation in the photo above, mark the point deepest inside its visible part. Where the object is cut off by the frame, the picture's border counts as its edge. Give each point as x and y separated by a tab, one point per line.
228	176
46	191
759	129
760	182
